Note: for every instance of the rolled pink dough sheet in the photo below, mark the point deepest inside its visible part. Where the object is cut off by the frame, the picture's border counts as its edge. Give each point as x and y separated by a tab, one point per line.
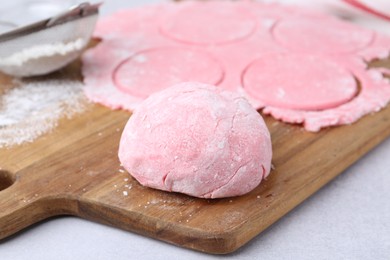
297	65
197	139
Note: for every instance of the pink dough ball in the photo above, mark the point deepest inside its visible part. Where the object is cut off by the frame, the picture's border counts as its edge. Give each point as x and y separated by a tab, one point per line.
197	139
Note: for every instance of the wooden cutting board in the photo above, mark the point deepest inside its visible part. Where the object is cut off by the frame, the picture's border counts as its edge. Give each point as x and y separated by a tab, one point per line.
75	170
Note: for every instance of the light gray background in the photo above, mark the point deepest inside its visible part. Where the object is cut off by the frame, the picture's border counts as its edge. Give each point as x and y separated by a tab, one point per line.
347	219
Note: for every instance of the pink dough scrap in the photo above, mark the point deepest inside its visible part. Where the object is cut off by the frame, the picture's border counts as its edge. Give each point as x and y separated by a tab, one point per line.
197	139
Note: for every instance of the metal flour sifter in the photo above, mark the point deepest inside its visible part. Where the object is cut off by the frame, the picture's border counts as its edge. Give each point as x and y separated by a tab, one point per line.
48	45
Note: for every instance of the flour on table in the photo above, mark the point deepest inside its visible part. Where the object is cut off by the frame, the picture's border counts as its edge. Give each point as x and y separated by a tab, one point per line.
32	108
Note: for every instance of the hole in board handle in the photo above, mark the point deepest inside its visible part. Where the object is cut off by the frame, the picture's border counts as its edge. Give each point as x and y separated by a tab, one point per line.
6	180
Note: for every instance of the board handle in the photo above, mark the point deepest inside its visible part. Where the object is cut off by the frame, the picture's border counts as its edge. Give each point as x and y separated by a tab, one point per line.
23	204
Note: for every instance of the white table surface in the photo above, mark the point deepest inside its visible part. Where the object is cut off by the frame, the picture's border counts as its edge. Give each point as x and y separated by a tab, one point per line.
347	219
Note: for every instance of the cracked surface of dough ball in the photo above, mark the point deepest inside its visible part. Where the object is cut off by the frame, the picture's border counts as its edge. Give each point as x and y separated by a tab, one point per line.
197	139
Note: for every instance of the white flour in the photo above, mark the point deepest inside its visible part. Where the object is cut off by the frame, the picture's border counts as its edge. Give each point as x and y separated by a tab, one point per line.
41	51
33	108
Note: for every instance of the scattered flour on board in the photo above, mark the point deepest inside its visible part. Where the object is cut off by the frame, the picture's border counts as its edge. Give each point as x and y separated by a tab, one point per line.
33	108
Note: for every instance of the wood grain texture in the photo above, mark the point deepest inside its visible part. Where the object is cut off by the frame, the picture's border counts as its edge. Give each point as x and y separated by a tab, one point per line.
75	170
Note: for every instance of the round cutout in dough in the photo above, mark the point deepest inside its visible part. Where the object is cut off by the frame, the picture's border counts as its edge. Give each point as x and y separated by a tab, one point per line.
221	22
321	35
304	82
152	70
